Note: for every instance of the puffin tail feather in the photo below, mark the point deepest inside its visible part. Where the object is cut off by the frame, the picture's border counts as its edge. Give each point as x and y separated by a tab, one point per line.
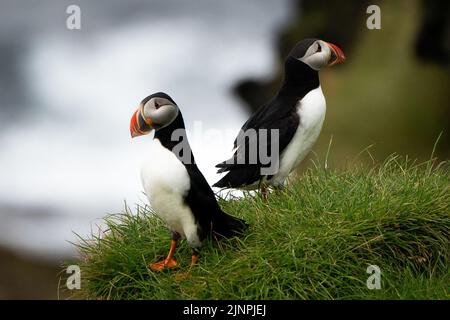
225	225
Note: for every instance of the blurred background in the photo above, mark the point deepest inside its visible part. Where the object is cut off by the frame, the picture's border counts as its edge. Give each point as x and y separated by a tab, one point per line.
66	97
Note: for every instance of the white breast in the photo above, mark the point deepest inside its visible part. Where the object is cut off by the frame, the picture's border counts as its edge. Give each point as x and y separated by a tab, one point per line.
311	110
166	182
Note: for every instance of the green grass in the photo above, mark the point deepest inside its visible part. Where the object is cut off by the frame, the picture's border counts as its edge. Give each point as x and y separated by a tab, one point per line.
314	240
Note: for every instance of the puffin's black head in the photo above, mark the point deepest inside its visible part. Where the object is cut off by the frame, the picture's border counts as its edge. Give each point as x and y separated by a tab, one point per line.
317	53
154	112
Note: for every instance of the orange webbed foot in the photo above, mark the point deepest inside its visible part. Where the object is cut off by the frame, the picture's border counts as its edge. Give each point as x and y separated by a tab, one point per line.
161	265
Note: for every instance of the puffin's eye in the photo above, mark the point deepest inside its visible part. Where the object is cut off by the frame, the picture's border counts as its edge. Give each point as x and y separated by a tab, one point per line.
156	104
319	48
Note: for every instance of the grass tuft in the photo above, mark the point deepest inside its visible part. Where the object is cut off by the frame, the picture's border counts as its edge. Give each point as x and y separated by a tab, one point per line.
313	240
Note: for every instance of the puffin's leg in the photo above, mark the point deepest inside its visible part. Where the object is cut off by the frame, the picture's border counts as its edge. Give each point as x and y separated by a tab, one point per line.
264	193
169	262
194	259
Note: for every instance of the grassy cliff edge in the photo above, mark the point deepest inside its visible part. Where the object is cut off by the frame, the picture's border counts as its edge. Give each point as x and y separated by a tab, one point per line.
313	240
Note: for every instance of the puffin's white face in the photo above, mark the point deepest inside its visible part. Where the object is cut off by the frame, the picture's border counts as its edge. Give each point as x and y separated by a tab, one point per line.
320	54
156	113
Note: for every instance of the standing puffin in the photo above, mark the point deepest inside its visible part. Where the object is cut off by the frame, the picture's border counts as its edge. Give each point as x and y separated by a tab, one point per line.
175	187
296	112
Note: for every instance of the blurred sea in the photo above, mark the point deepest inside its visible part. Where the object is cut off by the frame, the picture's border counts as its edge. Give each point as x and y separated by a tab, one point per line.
66	97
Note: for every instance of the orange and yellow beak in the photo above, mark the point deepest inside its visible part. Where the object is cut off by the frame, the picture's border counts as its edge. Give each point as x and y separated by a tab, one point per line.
337	55
139	125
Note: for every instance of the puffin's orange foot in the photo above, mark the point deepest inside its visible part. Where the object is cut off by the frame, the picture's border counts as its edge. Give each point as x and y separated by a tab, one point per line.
161	265
194	260
170	263
158	266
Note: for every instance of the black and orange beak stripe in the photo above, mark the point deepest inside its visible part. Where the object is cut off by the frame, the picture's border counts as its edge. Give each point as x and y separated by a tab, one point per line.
139	125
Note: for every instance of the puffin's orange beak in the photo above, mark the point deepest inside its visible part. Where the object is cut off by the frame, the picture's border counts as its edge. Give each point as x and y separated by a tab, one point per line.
134	125
139	125
337	55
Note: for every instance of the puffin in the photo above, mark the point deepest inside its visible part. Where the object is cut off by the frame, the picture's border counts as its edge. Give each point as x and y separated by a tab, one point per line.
284	129
175	187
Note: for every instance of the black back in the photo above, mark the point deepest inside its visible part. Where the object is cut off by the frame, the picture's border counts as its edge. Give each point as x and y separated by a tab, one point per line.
280	113
200	198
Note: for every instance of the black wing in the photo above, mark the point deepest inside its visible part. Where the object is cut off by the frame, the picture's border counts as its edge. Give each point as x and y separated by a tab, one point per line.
203	204
278	114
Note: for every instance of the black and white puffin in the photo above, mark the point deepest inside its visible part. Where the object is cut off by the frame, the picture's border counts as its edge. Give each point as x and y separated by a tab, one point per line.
297	112
175	187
